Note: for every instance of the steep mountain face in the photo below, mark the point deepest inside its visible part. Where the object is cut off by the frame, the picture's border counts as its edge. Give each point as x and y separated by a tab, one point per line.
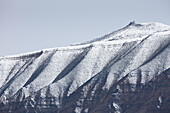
126	71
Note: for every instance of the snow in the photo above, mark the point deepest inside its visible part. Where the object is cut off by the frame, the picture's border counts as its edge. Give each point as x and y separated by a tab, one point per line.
116	106
59	60
86	110
78	110
5	66
160	102
160	99
142	48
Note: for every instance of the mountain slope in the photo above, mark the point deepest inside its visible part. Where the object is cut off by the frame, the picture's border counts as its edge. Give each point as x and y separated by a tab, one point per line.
106	75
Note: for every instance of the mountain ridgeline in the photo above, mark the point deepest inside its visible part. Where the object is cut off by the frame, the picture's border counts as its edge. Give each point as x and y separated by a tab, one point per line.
126	71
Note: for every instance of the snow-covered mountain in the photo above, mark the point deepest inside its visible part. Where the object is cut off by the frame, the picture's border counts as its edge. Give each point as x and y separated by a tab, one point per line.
126	71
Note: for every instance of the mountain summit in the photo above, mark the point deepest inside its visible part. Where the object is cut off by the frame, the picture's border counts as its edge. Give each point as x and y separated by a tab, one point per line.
126	71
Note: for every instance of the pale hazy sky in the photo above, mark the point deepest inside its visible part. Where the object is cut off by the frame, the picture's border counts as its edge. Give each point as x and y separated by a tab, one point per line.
29	25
